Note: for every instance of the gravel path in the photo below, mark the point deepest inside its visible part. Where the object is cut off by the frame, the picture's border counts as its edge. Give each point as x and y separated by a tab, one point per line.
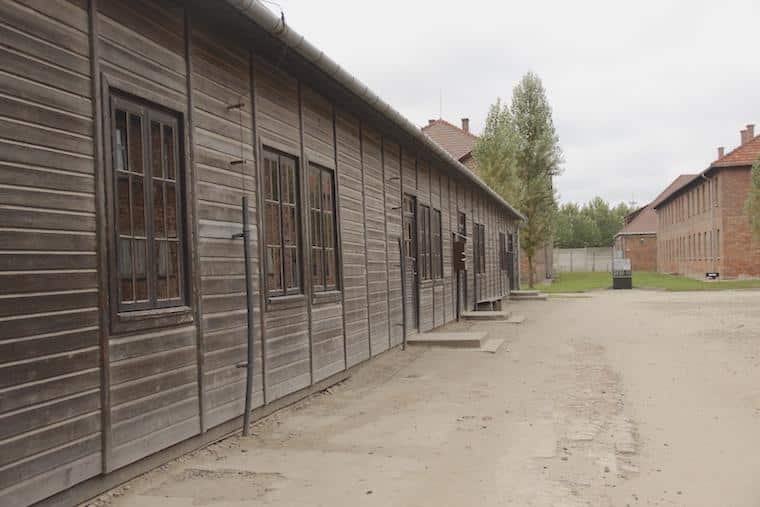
612	399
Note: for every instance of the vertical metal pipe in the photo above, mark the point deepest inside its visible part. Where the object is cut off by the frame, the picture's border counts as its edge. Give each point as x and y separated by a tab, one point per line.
402	263
249	301
459	297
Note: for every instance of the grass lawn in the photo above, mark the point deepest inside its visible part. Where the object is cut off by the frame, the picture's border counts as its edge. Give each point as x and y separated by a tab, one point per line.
583	282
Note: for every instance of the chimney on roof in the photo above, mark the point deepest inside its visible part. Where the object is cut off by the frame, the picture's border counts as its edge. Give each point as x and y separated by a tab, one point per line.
750	131
721	151
466	125
430	122
743	134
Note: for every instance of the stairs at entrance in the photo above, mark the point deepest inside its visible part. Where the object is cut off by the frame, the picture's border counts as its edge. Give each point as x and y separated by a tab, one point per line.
471	340
486	315
527	295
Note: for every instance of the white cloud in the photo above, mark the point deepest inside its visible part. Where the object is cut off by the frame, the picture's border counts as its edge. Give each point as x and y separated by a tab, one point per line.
641	91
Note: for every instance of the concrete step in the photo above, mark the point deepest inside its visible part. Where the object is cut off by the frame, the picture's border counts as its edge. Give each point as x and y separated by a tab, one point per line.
516	319
472	340
485	315
525	292
492	345
528	297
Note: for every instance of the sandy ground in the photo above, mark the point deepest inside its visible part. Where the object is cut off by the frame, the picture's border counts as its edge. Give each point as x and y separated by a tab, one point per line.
617	398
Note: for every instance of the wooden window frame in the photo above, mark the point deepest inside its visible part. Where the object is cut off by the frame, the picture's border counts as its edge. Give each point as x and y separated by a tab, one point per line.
322	287
479	249
154	313
462	224
436	243
503	251
423	240
283	293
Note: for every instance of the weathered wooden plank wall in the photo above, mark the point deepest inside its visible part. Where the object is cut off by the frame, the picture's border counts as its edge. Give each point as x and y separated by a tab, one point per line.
426	286
63	419
153	375
49	351
449	227
409	187
222	135
374	223
392	188
286	322
351	198
327	309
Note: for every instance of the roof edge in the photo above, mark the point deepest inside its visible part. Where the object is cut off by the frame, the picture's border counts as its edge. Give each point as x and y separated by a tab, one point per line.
718	163
278	29
645	233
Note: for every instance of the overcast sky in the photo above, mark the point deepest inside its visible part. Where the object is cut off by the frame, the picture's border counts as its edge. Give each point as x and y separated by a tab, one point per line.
641	91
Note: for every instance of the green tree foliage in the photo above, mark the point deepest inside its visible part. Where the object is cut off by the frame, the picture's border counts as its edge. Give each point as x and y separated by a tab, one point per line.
593	224
495	153
519	154
752	205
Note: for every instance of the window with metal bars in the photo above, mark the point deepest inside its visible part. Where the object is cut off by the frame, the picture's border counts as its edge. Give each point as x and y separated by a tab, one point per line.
323	228
436	243
479	246
281	224
503	251
148	218
424	243
461	225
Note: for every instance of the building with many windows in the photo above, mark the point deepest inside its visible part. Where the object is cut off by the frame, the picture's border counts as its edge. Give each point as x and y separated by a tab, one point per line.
130	133
702	225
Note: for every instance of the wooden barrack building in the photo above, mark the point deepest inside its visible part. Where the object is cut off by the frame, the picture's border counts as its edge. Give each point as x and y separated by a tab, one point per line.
129	132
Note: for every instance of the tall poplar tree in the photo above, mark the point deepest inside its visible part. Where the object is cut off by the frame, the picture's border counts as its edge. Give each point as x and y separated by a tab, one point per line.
519	155
495	153
538	158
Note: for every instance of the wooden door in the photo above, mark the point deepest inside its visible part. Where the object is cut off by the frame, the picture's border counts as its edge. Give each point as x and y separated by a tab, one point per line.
461	235
410	253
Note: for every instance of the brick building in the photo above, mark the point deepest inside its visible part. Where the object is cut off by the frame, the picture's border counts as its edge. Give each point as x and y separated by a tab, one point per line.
638	239
460	143
702	226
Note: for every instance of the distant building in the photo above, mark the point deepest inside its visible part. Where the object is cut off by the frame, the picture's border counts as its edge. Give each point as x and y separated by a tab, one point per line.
460	143
638	239
702	226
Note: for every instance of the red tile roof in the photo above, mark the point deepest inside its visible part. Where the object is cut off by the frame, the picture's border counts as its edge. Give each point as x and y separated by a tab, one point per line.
451	138
674	187
641	221
744	155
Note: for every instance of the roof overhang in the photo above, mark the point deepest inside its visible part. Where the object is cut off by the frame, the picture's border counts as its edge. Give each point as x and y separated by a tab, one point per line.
619	234
306	59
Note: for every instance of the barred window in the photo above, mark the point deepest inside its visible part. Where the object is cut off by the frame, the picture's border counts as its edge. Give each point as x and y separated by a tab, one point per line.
503	251
424	243
148	219
323	228
436	242
281	224
480	248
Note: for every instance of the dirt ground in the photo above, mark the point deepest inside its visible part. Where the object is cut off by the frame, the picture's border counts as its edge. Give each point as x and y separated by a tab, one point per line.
613	399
